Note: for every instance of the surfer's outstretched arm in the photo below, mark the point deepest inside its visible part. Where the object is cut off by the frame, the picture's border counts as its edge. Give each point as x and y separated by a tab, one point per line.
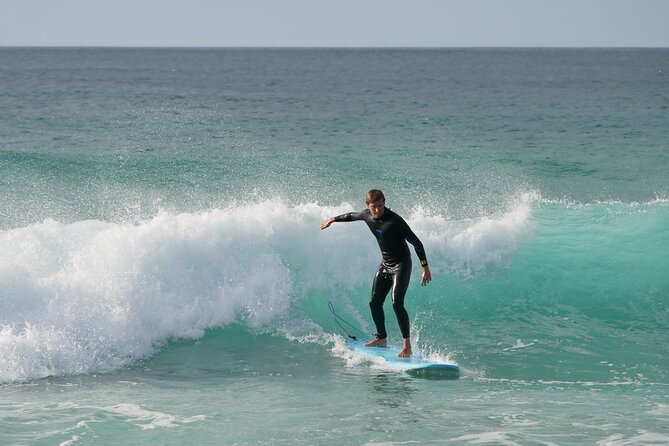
351	216
326	223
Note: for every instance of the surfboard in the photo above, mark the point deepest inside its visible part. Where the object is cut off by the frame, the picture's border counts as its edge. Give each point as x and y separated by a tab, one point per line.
414	364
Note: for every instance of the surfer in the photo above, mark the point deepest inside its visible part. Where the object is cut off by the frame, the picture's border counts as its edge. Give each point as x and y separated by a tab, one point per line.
392	233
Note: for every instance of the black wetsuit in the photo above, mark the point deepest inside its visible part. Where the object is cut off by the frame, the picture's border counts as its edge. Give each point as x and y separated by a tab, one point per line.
392	233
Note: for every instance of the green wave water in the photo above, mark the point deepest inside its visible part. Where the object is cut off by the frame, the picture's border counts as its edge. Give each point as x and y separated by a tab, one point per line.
163	279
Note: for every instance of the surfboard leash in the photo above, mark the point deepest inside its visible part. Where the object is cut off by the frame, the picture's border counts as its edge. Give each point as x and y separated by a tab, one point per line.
339	320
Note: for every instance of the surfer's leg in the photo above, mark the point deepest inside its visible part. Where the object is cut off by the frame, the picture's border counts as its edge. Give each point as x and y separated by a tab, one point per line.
401	280
382	284
400	284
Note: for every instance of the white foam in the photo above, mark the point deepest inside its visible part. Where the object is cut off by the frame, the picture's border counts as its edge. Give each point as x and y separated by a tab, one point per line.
92	296
495	437
73	440
469	247
149	419
518	345
354	359
640	437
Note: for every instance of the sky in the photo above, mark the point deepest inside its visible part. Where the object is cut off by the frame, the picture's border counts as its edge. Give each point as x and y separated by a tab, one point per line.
336	23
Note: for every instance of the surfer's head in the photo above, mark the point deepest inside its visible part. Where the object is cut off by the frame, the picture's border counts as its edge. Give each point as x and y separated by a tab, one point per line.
376	203
374	195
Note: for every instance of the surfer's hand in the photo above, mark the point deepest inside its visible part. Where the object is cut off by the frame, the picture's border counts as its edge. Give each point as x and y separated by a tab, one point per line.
426	276
326	223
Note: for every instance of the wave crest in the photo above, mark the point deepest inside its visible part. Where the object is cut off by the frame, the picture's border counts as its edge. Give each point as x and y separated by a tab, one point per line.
94	296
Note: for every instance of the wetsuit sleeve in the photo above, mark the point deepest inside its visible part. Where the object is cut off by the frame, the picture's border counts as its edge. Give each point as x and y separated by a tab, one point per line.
415	242
351	216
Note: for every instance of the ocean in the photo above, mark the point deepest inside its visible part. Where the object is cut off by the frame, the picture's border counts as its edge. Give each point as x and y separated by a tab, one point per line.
163	279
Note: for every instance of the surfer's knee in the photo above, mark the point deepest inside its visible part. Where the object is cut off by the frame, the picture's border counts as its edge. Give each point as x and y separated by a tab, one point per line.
375	303
398	308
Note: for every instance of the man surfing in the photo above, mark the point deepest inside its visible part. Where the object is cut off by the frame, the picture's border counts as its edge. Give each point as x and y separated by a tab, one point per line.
392	233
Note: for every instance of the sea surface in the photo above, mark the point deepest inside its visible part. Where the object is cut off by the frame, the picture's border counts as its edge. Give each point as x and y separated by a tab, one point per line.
163	279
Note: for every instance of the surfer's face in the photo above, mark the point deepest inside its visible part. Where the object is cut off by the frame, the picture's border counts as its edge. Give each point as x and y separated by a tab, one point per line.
377	208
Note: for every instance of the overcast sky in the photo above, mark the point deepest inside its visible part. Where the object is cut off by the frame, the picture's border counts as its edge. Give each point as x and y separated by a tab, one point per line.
338	23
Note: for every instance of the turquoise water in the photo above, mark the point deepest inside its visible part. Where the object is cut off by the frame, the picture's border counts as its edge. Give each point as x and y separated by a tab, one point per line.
163	279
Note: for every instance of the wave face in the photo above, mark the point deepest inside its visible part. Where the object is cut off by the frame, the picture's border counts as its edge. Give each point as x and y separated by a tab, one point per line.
548	289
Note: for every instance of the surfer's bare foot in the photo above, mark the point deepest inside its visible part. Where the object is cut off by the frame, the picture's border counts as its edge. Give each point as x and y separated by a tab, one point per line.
377	343
406	349
405	353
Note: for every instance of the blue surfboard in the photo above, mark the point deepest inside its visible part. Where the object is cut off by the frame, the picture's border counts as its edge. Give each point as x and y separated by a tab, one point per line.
414	364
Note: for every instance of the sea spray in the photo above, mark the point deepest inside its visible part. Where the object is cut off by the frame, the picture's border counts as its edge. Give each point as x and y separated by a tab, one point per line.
467	247
94	296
